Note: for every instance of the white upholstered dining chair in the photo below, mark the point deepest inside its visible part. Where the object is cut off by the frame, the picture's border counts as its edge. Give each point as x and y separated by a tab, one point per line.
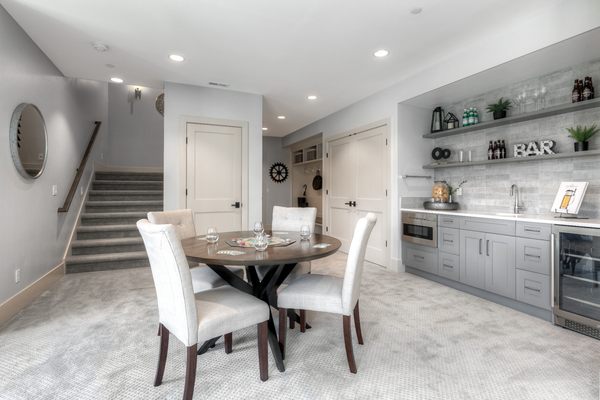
196	317
203	278
331	294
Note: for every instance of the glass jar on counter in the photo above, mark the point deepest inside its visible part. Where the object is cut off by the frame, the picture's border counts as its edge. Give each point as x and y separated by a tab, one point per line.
440	193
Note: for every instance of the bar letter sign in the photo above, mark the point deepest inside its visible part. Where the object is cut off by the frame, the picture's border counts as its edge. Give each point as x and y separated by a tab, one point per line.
533	149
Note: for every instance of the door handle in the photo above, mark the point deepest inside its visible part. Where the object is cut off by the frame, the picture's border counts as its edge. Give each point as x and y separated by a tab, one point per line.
237	204
480	243
487	248
349	204
353	203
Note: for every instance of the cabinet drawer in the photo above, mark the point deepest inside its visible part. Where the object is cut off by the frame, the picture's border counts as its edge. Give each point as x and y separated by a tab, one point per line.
420	257
449	221
533	255
533	289
534	231
449	240
449	266
488	225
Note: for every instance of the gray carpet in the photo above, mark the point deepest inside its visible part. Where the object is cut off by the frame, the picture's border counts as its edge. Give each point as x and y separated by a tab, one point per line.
94	337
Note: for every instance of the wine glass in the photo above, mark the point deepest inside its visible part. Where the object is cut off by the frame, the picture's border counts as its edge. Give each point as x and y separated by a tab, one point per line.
543	93
305	232
261	242
212	235
258	228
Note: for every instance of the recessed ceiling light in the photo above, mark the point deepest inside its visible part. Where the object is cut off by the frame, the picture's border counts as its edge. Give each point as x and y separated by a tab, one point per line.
116	80
416	10
176	58
281	117
265	128
109	65
381	53
100	47
312	97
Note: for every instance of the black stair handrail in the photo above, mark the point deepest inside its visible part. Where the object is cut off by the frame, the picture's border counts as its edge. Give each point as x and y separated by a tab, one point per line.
88	150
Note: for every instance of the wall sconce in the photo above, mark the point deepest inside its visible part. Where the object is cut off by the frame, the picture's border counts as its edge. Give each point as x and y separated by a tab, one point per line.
138	93
132	97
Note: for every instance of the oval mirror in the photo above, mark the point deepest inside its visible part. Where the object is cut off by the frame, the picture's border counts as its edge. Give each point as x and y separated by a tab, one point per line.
28	143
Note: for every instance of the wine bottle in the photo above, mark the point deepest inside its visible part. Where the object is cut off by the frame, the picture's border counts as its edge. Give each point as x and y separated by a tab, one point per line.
496	151
503	150
465	118
471	116
586	94
490	151
576	94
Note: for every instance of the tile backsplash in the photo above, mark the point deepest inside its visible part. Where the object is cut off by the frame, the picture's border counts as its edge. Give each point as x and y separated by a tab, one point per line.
488	186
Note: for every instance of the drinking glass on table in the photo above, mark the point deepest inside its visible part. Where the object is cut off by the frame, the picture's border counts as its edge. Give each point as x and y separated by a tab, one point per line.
258	228
212	235
305	232
261	242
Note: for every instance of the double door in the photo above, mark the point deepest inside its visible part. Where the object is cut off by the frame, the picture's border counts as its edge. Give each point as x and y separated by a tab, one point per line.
357	168
488	262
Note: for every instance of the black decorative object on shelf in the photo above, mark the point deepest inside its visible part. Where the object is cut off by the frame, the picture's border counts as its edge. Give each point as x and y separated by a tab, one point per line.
437	120
317	182
278	172
451	121
446	154
437	153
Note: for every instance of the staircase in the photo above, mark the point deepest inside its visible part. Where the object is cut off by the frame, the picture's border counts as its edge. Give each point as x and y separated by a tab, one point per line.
107	237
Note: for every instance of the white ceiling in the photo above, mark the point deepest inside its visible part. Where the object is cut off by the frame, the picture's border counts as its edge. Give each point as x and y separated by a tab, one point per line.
282	49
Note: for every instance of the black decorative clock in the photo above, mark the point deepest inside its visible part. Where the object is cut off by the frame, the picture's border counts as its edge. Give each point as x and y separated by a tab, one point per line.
278	172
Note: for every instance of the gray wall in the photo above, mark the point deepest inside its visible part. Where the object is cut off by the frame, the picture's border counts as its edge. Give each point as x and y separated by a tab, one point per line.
489	186
274	194
35	235
187	100
135	136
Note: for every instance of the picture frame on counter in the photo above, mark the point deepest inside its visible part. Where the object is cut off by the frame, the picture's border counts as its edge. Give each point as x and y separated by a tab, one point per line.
569	198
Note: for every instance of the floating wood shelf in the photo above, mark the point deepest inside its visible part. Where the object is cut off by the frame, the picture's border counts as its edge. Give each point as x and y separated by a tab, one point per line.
530	116
578	154
308	162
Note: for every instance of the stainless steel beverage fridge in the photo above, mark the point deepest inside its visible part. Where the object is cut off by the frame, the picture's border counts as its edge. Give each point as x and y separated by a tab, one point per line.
576	279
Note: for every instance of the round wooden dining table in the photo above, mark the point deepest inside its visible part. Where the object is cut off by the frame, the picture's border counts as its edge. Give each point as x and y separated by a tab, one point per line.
281	260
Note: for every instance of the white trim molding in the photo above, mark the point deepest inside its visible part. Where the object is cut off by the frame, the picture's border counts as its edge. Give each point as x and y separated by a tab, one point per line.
19	301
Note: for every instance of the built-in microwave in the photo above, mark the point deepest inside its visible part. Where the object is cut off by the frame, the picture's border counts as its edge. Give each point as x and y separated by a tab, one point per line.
419	228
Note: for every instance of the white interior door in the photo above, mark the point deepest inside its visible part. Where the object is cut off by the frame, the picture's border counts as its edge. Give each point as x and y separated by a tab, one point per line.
357	183
214	176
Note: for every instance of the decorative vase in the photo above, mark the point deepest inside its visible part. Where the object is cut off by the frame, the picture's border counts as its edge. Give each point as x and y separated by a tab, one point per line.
581	146
499	114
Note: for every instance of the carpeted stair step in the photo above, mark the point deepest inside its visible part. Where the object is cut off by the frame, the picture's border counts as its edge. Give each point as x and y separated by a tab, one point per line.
87	232
104	262
105	246
112	218
122	205
114	195
128	176
127	185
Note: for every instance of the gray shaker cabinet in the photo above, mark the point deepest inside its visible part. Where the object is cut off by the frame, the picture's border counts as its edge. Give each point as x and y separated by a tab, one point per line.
500	266
472	259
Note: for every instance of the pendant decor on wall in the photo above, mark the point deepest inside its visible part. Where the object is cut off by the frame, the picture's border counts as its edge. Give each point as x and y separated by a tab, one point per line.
160	104
278	172
533	149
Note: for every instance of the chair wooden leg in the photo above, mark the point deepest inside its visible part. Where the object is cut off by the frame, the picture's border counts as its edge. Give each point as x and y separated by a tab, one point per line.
159	328
357	324
190	372
292	323
348	343
282	330
263	352
302	321
162	356
228	339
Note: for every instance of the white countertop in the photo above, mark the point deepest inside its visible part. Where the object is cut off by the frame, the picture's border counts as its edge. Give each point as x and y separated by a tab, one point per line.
539	218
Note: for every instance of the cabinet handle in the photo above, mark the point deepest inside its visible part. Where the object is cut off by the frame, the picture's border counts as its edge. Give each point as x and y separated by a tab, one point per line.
480	243
552	244
487	248
448	266
532	255
533	289
448	241
531	230
418	257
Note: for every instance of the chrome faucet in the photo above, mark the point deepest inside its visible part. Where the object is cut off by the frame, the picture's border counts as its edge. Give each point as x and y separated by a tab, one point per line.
514	191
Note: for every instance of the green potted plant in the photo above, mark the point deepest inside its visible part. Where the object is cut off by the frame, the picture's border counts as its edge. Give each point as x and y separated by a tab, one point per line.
582	135
499	109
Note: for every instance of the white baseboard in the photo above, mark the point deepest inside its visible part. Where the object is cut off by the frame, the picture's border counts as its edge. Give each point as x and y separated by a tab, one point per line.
122	168
396	265
19	301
